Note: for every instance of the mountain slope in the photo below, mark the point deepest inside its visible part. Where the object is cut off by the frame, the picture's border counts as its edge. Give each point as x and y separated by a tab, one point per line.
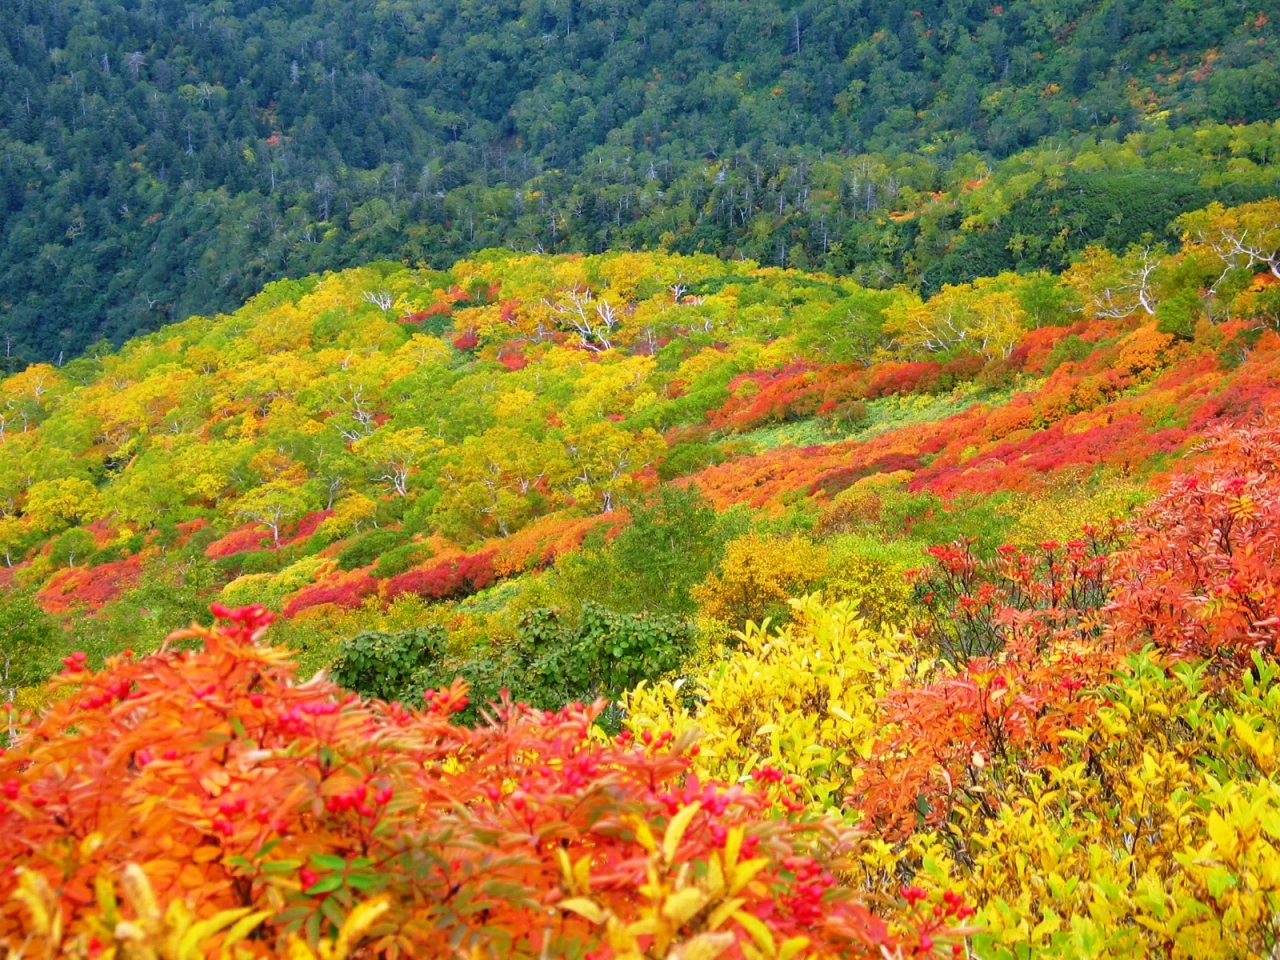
171	157
384	439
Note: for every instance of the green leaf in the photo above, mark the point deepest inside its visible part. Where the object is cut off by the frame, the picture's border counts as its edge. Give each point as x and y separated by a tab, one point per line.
325	885
327	861
363	881
276	867
1218	881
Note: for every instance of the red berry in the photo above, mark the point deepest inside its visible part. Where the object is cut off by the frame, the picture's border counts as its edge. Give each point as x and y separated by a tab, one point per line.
10	789
913	895
308	877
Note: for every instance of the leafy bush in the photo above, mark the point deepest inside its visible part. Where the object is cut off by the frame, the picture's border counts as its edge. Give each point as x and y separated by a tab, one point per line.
757	577
606	655
1201	575
366	549
448	578
687	458
280	809
399	559
30	643
385	665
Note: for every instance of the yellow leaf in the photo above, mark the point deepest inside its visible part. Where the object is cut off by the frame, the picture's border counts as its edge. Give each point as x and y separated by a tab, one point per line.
191	946
683	904
705	946
241	929
791	947
584	908
566	868
715	876
137	888
644	836
582	875
676	828
89	844
723	912
732	844
759	932
745	872
107	903
357	924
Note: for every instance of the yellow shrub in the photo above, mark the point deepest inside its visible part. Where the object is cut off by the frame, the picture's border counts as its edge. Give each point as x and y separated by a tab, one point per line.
801	699
757	576
1158	836
859	504
872	577
1161	840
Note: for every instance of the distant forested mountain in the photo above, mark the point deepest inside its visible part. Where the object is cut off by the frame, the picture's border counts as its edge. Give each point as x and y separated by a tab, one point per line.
162	157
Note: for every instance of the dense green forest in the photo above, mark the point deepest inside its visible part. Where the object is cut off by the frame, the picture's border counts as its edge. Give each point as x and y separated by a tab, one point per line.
163	157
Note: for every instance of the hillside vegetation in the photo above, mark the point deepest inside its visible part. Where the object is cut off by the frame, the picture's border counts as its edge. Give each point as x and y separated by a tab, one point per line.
388	437
169	158
654	605
642	480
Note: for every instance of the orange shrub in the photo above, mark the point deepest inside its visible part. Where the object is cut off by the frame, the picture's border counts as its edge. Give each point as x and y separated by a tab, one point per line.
1201	576
231	786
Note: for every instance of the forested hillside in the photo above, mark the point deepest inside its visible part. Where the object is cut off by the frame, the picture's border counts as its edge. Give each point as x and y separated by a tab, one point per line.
646	480
163	158
644	604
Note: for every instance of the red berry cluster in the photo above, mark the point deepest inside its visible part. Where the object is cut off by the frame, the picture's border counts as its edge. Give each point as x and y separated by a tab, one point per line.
115	690
720	835
658	742
445	700
252	621
714	800
952	909
768	774
804	899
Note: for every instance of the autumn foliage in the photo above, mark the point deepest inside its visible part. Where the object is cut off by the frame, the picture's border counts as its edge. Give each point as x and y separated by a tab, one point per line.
234	788
1201	576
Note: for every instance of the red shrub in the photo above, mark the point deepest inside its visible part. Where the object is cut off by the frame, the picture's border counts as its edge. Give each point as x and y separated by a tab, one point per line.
342	590
944	741
89	588
448	578
216	779
306	527
833	481
1201	576
890	378
513	360
249	537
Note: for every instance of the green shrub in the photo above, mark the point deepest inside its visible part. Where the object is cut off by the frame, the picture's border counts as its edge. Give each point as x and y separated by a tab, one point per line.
262	561
689	458
30	643
399	559
73	547
390	666
368	548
